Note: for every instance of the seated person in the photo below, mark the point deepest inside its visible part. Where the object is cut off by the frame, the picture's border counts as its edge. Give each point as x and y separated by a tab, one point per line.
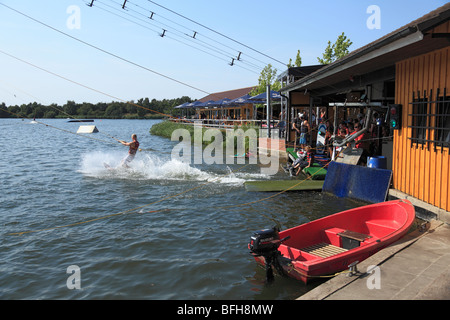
329	141
305	162
301	154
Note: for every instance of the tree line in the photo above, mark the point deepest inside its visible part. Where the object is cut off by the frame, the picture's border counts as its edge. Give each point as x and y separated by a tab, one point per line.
144	108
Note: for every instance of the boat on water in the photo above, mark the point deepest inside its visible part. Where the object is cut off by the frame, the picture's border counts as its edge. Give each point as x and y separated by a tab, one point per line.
331	244
303	184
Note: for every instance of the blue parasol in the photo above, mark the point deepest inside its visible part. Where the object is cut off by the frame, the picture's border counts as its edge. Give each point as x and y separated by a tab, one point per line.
219	103
193	104
262	97
241	100
182	105
206	103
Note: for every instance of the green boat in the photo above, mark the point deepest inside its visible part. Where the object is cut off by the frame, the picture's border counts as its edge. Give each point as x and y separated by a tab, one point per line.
316	172
284	185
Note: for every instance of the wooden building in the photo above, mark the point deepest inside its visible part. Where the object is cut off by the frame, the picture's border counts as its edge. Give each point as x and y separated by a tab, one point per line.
421	148
233	112
409	67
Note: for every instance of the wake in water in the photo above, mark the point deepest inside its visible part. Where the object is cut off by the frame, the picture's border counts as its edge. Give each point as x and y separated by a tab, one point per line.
151	167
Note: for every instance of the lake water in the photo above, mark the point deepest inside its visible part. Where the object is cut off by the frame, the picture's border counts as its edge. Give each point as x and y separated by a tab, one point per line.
162	229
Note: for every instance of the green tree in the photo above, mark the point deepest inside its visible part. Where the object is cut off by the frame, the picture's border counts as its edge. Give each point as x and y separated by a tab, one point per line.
3	111
70	108
114	111
268	76
336	50
16	110
85	109
39	111
141	112
50	114
56	109
298	61
131	107
26	109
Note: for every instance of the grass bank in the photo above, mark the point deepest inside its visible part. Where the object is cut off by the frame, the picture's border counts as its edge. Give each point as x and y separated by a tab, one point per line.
166	128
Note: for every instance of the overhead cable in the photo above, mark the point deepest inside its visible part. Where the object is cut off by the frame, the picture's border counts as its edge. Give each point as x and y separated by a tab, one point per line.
165	30
195	33
219	33
104	51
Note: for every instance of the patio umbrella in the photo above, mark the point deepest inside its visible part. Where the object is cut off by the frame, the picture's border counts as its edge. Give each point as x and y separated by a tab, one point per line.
221	102
206	103
193	104
241	100
274	95
182	105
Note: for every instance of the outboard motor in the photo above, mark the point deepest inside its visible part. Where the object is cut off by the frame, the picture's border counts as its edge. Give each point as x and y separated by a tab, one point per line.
265	243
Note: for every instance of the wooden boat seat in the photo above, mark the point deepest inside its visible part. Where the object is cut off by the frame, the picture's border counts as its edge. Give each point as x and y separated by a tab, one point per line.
354	235
323	250
352	239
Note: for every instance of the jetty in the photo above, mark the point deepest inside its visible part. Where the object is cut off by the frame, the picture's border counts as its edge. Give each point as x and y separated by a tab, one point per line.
417	267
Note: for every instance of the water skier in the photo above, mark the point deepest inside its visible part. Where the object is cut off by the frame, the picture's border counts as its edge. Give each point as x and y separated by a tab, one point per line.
134	147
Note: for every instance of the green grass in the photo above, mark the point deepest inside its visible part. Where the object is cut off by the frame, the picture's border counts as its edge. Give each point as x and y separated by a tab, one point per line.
166	128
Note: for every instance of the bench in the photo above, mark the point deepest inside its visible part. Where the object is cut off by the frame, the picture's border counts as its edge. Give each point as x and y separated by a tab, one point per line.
344	238
354	235
352	239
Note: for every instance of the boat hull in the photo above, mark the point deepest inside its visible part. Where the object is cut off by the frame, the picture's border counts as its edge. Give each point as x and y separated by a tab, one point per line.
329	245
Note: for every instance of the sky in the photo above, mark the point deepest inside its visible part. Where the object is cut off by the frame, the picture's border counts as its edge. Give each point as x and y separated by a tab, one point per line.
52	51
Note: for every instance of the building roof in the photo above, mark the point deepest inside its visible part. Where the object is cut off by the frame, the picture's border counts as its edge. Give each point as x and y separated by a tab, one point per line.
299	72
410	40
230	94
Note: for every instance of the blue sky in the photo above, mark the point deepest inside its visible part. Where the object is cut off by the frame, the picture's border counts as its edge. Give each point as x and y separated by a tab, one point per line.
275	28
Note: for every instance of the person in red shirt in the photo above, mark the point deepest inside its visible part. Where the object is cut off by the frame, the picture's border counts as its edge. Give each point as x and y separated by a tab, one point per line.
359	141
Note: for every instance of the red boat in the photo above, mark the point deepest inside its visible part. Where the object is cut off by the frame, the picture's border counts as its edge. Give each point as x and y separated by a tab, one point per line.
331	244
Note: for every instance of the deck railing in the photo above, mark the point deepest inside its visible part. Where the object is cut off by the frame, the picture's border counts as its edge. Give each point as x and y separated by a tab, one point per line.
227	123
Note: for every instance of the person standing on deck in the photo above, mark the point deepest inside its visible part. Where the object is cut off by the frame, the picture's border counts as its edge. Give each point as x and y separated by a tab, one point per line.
134	147
304	131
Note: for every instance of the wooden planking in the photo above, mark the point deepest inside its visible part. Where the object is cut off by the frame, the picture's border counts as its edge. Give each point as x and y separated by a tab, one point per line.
354	235
445	199
323	250
420	170
445	186
443	28
445	80
427	162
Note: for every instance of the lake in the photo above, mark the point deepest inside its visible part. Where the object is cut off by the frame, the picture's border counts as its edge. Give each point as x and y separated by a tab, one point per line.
162	229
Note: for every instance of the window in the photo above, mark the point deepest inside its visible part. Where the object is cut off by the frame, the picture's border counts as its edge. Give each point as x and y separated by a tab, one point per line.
430	119
419	119
442	130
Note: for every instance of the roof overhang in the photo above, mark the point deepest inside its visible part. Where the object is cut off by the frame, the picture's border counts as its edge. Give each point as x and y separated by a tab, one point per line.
384	53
